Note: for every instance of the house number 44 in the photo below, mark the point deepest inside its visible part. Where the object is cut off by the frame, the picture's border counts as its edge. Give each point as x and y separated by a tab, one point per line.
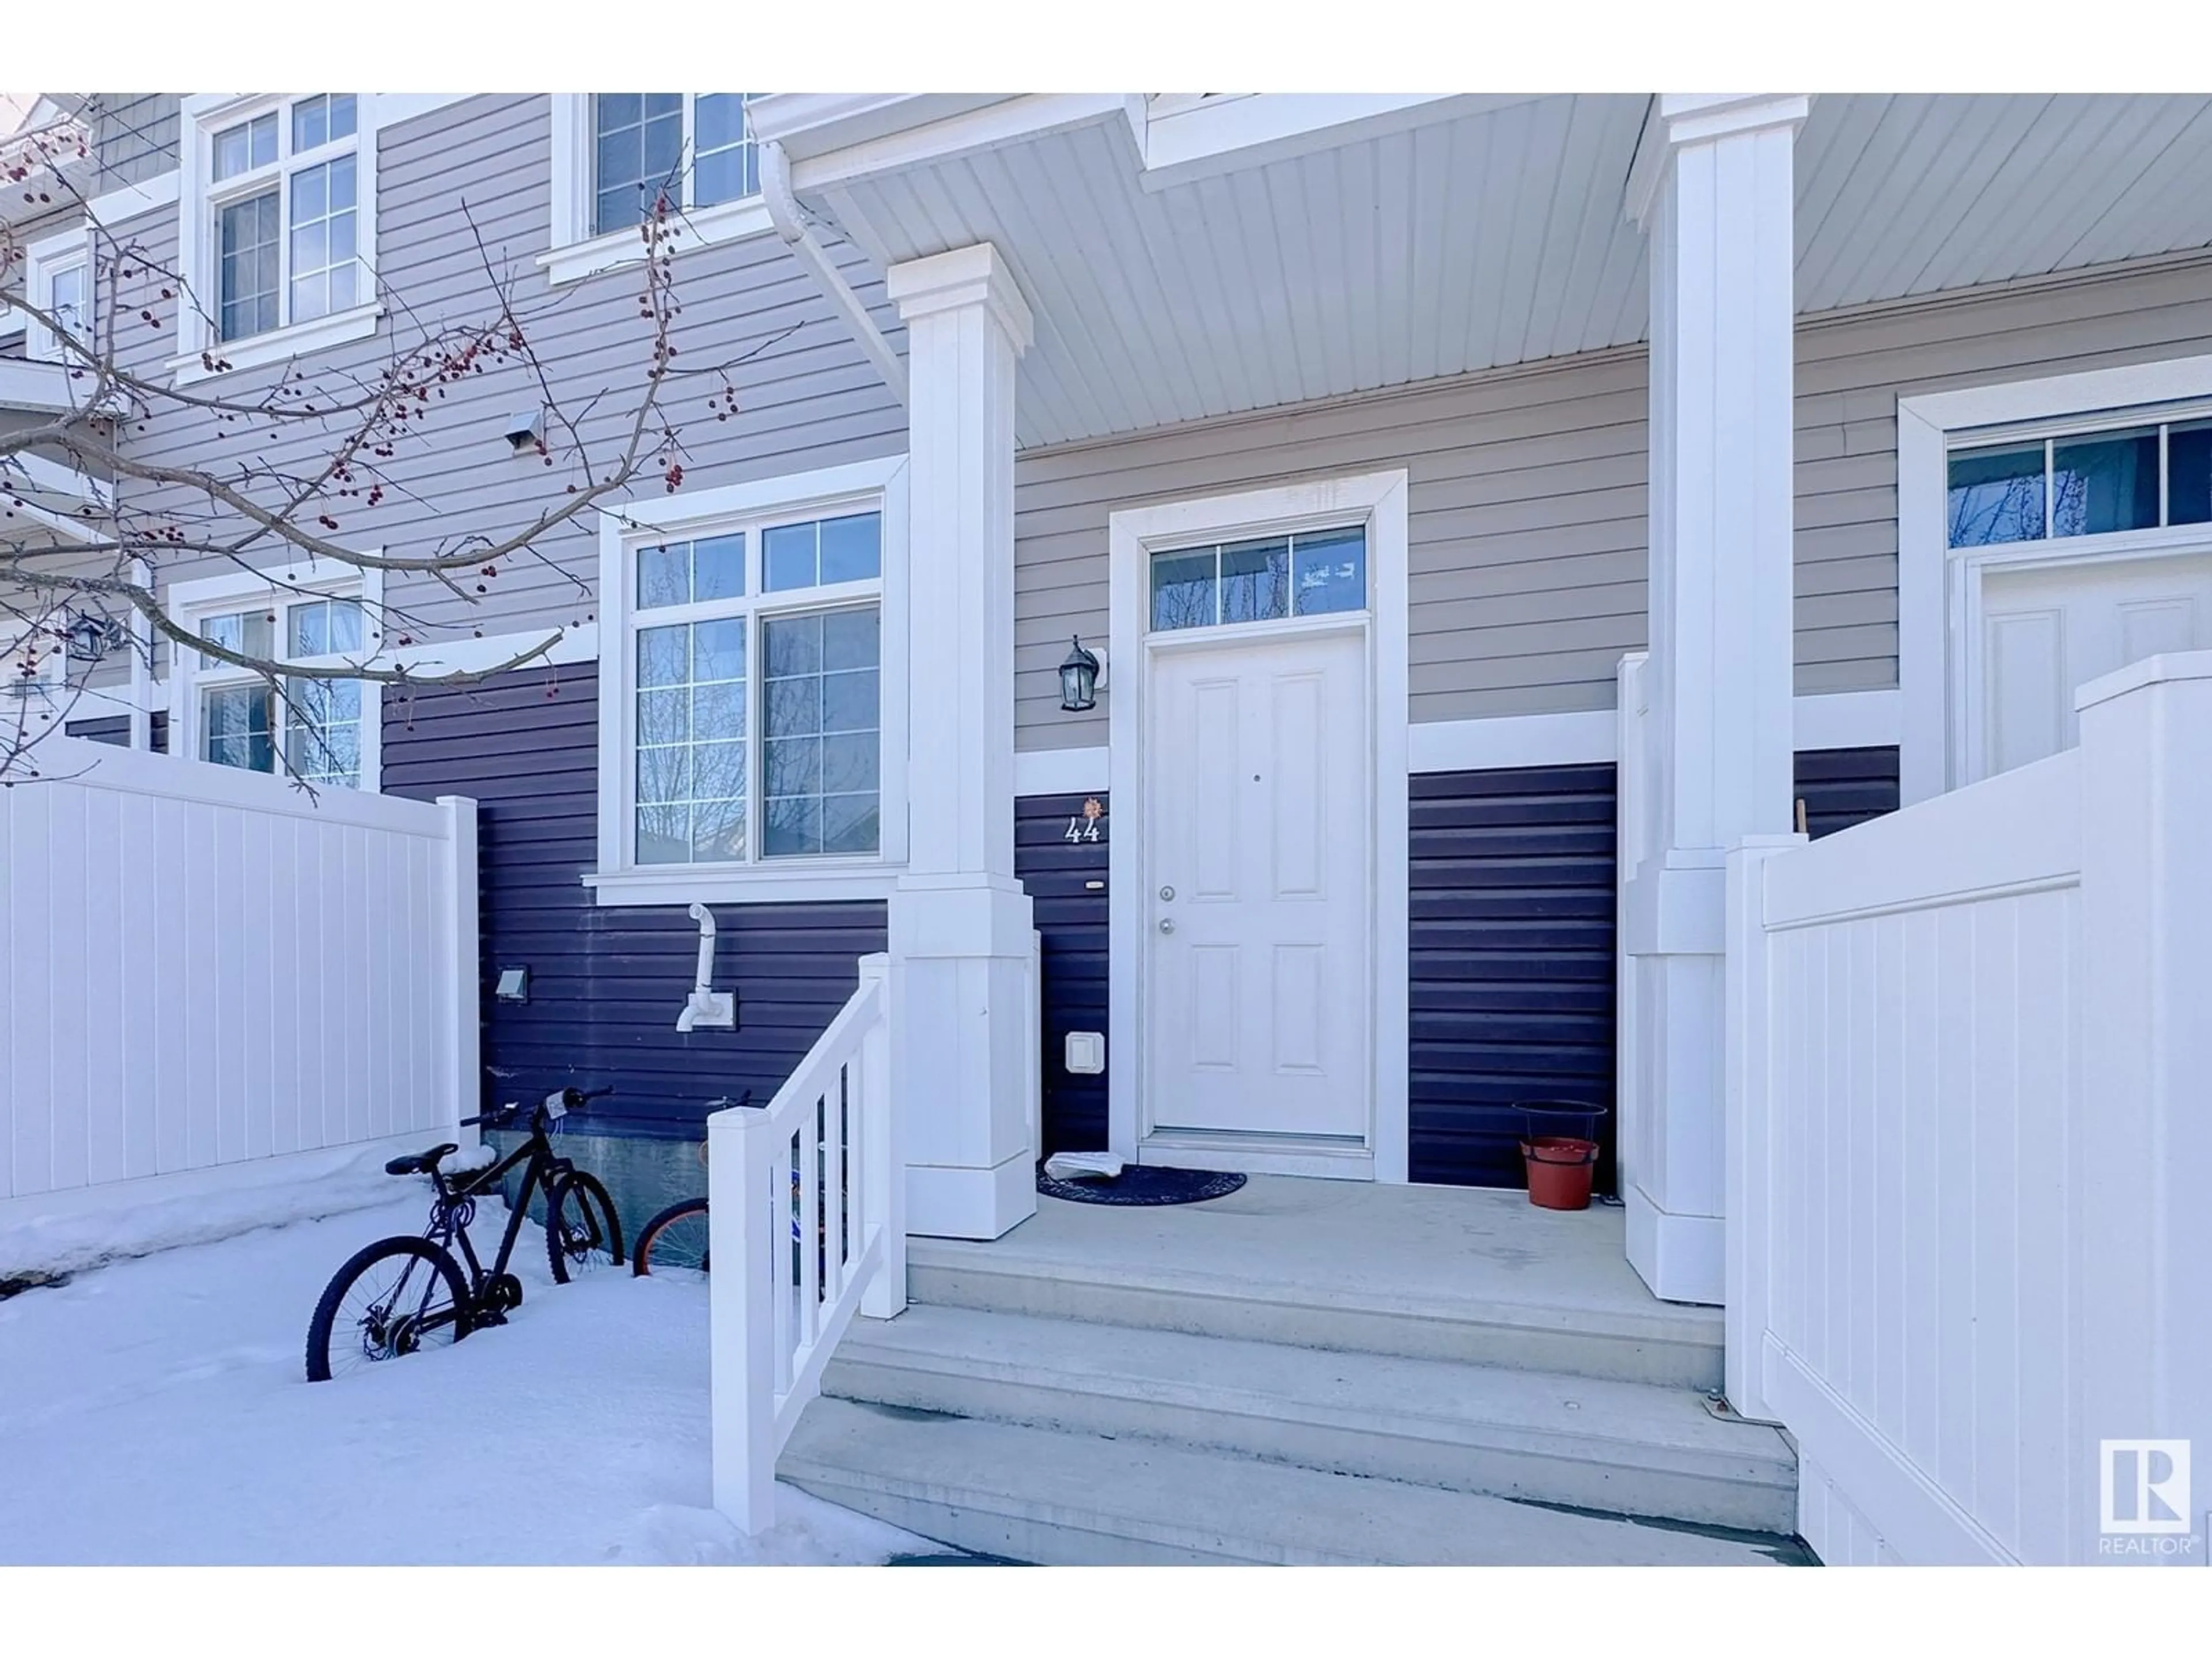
1086	824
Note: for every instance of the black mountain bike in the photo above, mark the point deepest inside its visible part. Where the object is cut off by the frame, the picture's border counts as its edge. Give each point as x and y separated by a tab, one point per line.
401	1295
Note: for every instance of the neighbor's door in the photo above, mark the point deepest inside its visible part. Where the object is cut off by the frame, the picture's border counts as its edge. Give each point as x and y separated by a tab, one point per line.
1258	866
2045	632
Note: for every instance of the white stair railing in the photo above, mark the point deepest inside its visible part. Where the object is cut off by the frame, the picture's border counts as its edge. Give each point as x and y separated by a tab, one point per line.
806	1209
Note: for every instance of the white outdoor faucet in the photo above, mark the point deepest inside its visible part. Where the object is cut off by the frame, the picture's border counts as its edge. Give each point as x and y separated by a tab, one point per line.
705	1006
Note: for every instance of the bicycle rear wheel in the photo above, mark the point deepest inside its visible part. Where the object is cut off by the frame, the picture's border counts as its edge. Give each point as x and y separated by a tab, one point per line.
675	1242
582	1233
396	1297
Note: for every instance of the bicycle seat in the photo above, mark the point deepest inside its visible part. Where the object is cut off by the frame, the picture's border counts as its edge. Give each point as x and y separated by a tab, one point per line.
419	1162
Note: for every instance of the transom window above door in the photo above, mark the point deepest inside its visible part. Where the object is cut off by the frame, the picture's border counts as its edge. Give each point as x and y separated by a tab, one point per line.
1309	573
2095	482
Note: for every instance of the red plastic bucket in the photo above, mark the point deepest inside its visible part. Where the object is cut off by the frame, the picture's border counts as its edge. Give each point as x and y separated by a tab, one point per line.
1559	1171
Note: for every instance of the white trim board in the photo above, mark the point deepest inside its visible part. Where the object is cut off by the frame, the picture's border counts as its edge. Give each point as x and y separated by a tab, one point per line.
1063	771
1379	501
1830	720
1938	596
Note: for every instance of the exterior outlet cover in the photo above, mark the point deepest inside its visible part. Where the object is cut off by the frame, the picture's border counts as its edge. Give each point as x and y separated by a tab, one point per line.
1086	1052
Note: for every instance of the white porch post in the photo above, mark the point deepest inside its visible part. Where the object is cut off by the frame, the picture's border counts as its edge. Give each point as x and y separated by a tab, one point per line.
960	926
1712	185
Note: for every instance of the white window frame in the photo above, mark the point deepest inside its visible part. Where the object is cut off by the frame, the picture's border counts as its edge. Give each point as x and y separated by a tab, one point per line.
203	115
1377	500
193	603
1939	587
575	252
44	260
865	486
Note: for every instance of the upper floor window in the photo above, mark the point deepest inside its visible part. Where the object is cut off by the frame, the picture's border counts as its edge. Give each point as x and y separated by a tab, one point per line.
278	212
696	146
2098	482
616	154
57	279
752	711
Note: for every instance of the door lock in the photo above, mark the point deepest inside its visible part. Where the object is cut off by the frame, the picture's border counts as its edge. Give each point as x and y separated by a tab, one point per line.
1167	892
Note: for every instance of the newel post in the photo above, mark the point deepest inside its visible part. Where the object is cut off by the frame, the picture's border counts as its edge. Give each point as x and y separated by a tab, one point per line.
882	1152
2141	1146
745	1219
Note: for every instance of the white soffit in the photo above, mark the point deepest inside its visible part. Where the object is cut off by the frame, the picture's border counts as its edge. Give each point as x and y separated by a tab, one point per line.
1341	270
1472	236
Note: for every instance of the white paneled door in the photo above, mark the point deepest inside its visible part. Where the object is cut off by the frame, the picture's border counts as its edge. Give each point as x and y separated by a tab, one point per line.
2045	633
1257	871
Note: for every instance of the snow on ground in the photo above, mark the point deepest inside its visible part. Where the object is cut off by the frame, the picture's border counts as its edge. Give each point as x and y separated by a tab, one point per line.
154	1411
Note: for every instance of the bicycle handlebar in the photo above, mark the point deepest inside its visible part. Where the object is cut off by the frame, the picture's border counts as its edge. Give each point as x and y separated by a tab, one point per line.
571	1097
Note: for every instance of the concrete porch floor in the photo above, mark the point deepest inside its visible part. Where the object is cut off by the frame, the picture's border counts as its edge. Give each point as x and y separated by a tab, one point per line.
1435	1264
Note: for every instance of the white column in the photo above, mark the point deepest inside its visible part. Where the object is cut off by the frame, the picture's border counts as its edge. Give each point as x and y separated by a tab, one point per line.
1712	185
960	923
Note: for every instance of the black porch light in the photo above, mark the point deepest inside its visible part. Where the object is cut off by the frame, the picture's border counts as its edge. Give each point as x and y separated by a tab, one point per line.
88	638
1078	679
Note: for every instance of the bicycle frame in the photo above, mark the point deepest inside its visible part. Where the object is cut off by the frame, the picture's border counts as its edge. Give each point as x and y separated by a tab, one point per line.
456	1202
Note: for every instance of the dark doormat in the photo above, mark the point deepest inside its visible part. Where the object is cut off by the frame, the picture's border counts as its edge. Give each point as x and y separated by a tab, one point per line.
1143	1183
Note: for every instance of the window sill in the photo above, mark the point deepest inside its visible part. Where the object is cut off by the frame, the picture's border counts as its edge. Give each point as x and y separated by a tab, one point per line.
814	881
279	346
726	221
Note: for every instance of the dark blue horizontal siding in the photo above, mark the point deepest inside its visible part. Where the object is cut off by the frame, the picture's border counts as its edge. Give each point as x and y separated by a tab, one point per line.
606	984
1843	787
115	729
1071	919
1511	960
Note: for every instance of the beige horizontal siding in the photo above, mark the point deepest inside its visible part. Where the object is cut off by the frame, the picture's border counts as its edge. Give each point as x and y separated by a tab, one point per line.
1527	501
1526	523
463	208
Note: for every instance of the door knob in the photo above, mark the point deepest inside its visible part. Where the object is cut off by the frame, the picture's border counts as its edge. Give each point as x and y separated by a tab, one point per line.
1167	924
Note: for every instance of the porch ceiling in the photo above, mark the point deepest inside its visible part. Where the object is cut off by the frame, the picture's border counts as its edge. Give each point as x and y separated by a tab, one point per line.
1481	236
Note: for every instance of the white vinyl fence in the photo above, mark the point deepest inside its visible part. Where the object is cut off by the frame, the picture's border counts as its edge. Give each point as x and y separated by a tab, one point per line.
202	967
1970	1150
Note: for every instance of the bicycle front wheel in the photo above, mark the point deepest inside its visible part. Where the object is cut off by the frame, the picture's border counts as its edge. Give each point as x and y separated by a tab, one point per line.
674	1243
397	1296
582	1234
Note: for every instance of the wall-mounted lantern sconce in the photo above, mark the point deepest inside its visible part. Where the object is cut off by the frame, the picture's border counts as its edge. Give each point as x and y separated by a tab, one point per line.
1078	679
91	637
513	985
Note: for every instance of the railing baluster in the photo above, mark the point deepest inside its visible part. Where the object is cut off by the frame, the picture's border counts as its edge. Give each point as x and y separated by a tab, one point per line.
781	1251
809	1225
833	1190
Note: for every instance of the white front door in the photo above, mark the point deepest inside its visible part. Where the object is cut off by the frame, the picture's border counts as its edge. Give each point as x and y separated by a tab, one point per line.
2045	632
1257	869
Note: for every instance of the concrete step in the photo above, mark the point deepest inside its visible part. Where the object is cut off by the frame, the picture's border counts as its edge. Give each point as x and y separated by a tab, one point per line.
1627	1447
1066	1499
1627	1339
